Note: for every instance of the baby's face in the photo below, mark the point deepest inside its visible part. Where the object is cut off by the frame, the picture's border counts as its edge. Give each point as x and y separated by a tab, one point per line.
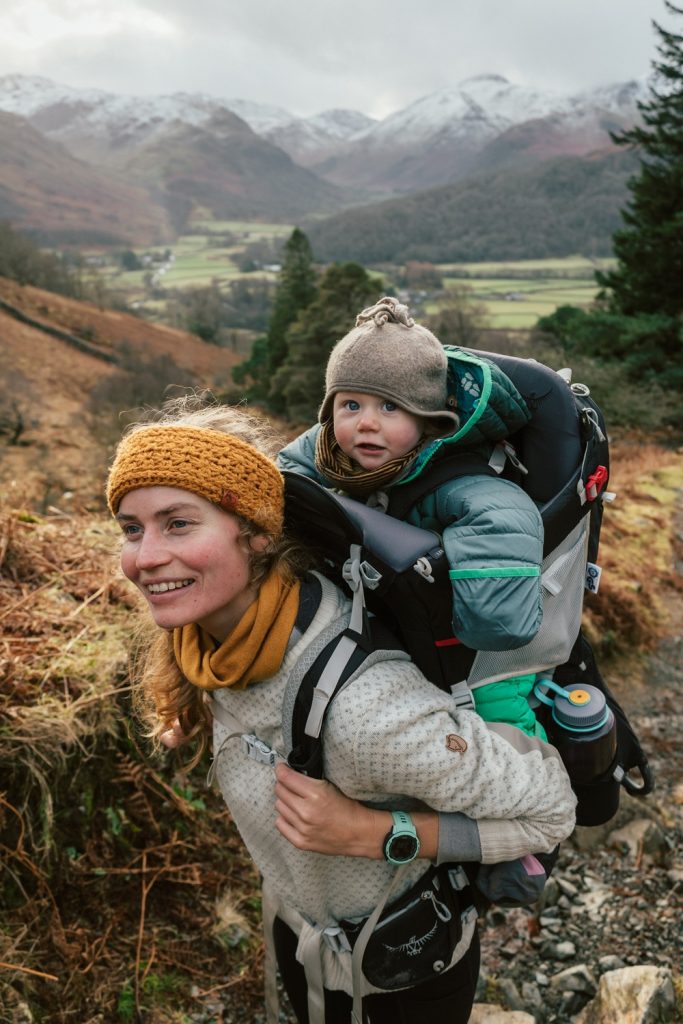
372	430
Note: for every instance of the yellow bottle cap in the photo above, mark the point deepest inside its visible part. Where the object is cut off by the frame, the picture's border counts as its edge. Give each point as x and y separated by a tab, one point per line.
579	697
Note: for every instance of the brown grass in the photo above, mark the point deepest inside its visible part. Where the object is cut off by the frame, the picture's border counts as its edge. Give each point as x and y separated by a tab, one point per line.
112	863
637	601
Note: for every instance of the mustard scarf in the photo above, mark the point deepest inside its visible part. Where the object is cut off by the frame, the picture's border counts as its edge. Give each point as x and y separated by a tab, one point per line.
343	472
253	650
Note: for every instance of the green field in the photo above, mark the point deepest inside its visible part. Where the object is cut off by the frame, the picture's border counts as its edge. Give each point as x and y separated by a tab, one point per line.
212	252
515	294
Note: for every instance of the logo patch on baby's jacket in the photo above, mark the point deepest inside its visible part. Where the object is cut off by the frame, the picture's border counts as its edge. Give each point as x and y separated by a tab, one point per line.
456	743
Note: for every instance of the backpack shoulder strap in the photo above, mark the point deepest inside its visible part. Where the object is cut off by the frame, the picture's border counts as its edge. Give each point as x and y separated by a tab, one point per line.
402	497
333	668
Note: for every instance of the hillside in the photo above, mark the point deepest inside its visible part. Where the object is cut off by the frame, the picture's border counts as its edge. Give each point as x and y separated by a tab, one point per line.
555	208
226	168
49	383
47	192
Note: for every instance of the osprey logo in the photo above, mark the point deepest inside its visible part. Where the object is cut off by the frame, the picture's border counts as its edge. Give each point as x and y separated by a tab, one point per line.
413	947
456	743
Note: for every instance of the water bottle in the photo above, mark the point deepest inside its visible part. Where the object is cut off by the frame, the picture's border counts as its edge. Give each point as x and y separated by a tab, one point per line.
583	728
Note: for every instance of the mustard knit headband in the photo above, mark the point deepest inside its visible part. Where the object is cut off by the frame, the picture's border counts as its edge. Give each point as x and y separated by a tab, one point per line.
217	466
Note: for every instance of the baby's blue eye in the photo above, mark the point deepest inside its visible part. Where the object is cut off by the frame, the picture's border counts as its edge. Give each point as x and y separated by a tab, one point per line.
390	407
352	405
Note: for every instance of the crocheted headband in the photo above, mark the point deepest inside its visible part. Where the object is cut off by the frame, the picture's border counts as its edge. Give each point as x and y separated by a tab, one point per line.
389	355
217	466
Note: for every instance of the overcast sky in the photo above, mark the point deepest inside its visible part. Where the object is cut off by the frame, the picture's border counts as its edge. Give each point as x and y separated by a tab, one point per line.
311	55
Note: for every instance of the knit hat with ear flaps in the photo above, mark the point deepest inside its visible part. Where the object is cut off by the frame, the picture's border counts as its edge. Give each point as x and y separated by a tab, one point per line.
389	355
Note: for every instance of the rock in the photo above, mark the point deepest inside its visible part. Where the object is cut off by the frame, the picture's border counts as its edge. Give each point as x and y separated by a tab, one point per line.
563	951
610	963
531	994
675	876
551	893
590	903
491	1013
510	993
571	1003
568	888
575	979
643	841
632	995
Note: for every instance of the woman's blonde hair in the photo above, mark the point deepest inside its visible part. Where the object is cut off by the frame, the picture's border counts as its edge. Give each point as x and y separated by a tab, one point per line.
161	694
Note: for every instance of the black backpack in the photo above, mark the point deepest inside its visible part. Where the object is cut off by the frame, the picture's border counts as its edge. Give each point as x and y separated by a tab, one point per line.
399	572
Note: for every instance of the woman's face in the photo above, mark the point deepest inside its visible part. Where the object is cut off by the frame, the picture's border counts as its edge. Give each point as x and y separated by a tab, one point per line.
186	556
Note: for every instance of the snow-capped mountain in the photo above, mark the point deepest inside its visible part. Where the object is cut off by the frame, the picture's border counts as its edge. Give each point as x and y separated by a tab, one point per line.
479	124
439	138
309	140
93	123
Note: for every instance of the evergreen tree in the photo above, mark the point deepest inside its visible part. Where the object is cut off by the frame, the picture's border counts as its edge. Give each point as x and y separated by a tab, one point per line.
344	290
296	289
649	250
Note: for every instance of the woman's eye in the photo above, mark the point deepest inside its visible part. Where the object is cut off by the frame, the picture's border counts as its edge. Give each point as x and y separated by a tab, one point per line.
131	530
178	524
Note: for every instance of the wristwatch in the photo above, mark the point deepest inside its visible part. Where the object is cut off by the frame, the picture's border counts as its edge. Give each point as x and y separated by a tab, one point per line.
401	844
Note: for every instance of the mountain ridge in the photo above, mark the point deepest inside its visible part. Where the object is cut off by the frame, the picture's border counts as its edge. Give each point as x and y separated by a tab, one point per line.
191	151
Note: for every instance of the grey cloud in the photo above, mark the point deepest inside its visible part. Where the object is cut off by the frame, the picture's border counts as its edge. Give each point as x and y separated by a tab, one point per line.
312	55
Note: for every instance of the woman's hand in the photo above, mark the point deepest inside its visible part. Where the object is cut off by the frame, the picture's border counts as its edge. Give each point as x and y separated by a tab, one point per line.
314	815
173	737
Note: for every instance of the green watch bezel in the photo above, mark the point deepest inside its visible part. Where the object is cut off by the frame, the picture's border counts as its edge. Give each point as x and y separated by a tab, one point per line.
401	830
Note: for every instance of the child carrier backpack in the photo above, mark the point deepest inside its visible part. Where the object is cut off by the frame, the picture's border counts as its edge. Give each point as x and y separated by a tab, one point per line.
559	455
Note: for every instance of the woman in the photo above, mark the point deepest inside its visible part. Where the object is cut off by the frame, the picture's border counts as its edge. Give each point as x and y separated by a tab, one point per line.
201	507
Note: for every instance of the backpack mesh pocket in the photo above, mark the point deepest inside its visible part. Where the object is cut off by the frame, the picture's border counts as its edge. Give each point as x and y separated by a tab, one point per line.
563	575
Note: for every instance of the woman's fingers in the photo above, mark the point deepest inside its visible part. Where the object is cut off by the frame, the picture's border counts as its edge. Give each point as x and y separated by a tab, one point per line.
314	815
174	736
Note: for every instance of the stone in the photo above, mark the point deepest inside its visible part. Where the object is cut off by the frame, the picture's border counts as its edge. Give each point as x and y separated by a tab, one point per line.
563	951
633	995
610	962
551	893
578	978
568	888
643	841
492	1013
675	876
510	993
531	994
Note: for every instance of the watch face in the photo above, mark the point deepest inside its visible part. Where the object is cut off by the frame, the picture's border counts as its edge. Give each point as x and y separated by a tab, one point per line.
402	848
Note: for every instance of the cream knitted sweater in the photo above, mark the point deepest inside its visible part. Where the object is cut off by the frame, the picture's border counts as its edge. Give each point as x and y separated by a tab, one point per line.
387	740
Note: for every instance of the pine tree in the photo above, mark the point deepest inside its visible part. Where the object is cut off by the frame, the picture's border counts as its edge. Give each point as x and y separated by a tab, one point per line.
344	290
648	278
296	289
